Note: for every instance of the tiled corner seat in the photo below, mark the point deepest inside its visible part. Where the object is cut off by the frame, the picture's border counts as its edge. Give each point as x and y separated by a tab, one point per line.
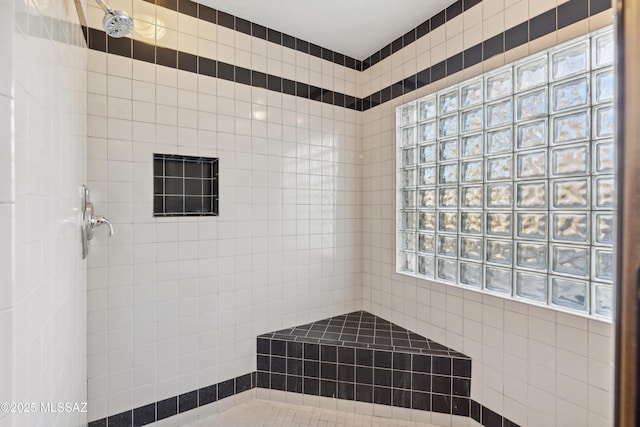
362	357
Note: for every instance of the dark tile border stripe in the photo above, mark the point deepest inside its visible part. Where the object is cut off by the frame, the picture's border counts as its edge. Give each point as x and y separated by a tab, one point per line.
536	27
236	23
178	404
134	49
148	414
547	22
421	30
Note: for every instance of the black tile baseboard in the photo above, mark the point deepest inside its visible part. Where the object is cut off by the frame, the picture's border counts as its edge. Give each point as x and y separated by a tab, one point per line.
364	358
175	405
398	392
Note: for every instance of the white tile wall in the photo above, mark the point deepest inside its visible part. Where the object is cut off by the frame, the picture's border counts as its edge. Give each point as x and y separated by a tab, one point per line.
42	165
7	199
6	47
532	365
175	304
307	190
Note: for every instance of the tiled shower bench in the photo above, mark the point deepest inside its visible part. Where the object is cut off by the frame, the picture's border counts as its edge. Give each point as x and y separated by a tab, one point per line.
362	357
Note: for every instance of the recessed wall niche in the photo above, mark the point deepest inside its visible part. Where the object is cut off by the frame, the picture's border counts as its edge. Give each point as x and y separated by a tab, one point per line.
184	186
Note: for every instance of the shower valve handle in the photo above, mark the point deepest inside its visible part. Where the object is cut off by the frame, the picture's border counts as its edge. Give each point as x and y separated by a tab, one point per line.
89	222
99	220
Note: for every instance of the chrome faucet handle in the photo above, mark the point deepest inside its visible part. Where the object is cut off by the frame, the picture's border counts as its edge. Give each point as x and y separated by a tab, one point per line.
98	220
89	222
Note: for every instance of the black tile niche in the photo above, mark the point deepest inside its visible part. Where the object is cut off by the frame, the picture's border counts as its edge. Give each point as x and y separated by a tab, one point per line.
184	186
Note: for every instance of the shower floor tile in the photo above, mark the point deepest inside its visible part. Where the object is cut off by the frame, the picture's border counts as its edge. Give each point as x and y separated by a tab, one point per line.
262	413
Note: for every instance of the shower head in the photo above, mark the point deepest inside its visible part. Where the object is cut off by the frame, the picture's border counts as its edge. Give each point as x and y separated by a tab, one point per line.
116	22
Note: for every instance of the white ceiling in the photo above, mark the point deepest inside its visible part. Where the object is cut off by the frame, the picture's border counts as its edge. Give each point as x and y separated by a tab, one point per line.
356	28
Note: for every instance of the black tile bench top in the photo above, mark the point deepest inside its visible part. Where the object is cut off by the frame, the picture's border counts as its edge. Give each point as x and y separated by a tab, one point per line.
363	330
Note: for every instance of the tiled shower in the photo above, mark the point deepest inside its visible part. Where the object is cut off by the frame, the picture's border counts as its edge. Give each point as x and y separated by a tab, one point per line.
251	180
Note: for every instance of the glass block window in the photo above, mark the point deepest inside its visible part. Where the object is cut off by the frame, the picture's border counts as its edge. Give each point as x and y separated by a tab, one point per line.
505	182
185	185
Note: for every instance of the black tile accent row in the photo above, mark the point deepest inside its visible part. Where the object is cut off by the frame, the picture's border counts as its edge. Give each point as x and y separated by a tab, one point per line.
421	30
178	404
547	22
141	51
236	23
518	35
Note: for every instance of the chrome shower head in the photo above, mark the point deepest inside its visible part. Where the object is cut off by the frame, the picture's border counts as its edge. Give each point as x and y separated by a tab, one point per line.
116	22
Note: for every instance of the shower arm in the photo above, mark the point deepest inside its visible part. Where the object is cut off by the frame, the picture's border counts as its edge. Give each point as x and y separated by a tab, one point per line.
116	23
104	6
